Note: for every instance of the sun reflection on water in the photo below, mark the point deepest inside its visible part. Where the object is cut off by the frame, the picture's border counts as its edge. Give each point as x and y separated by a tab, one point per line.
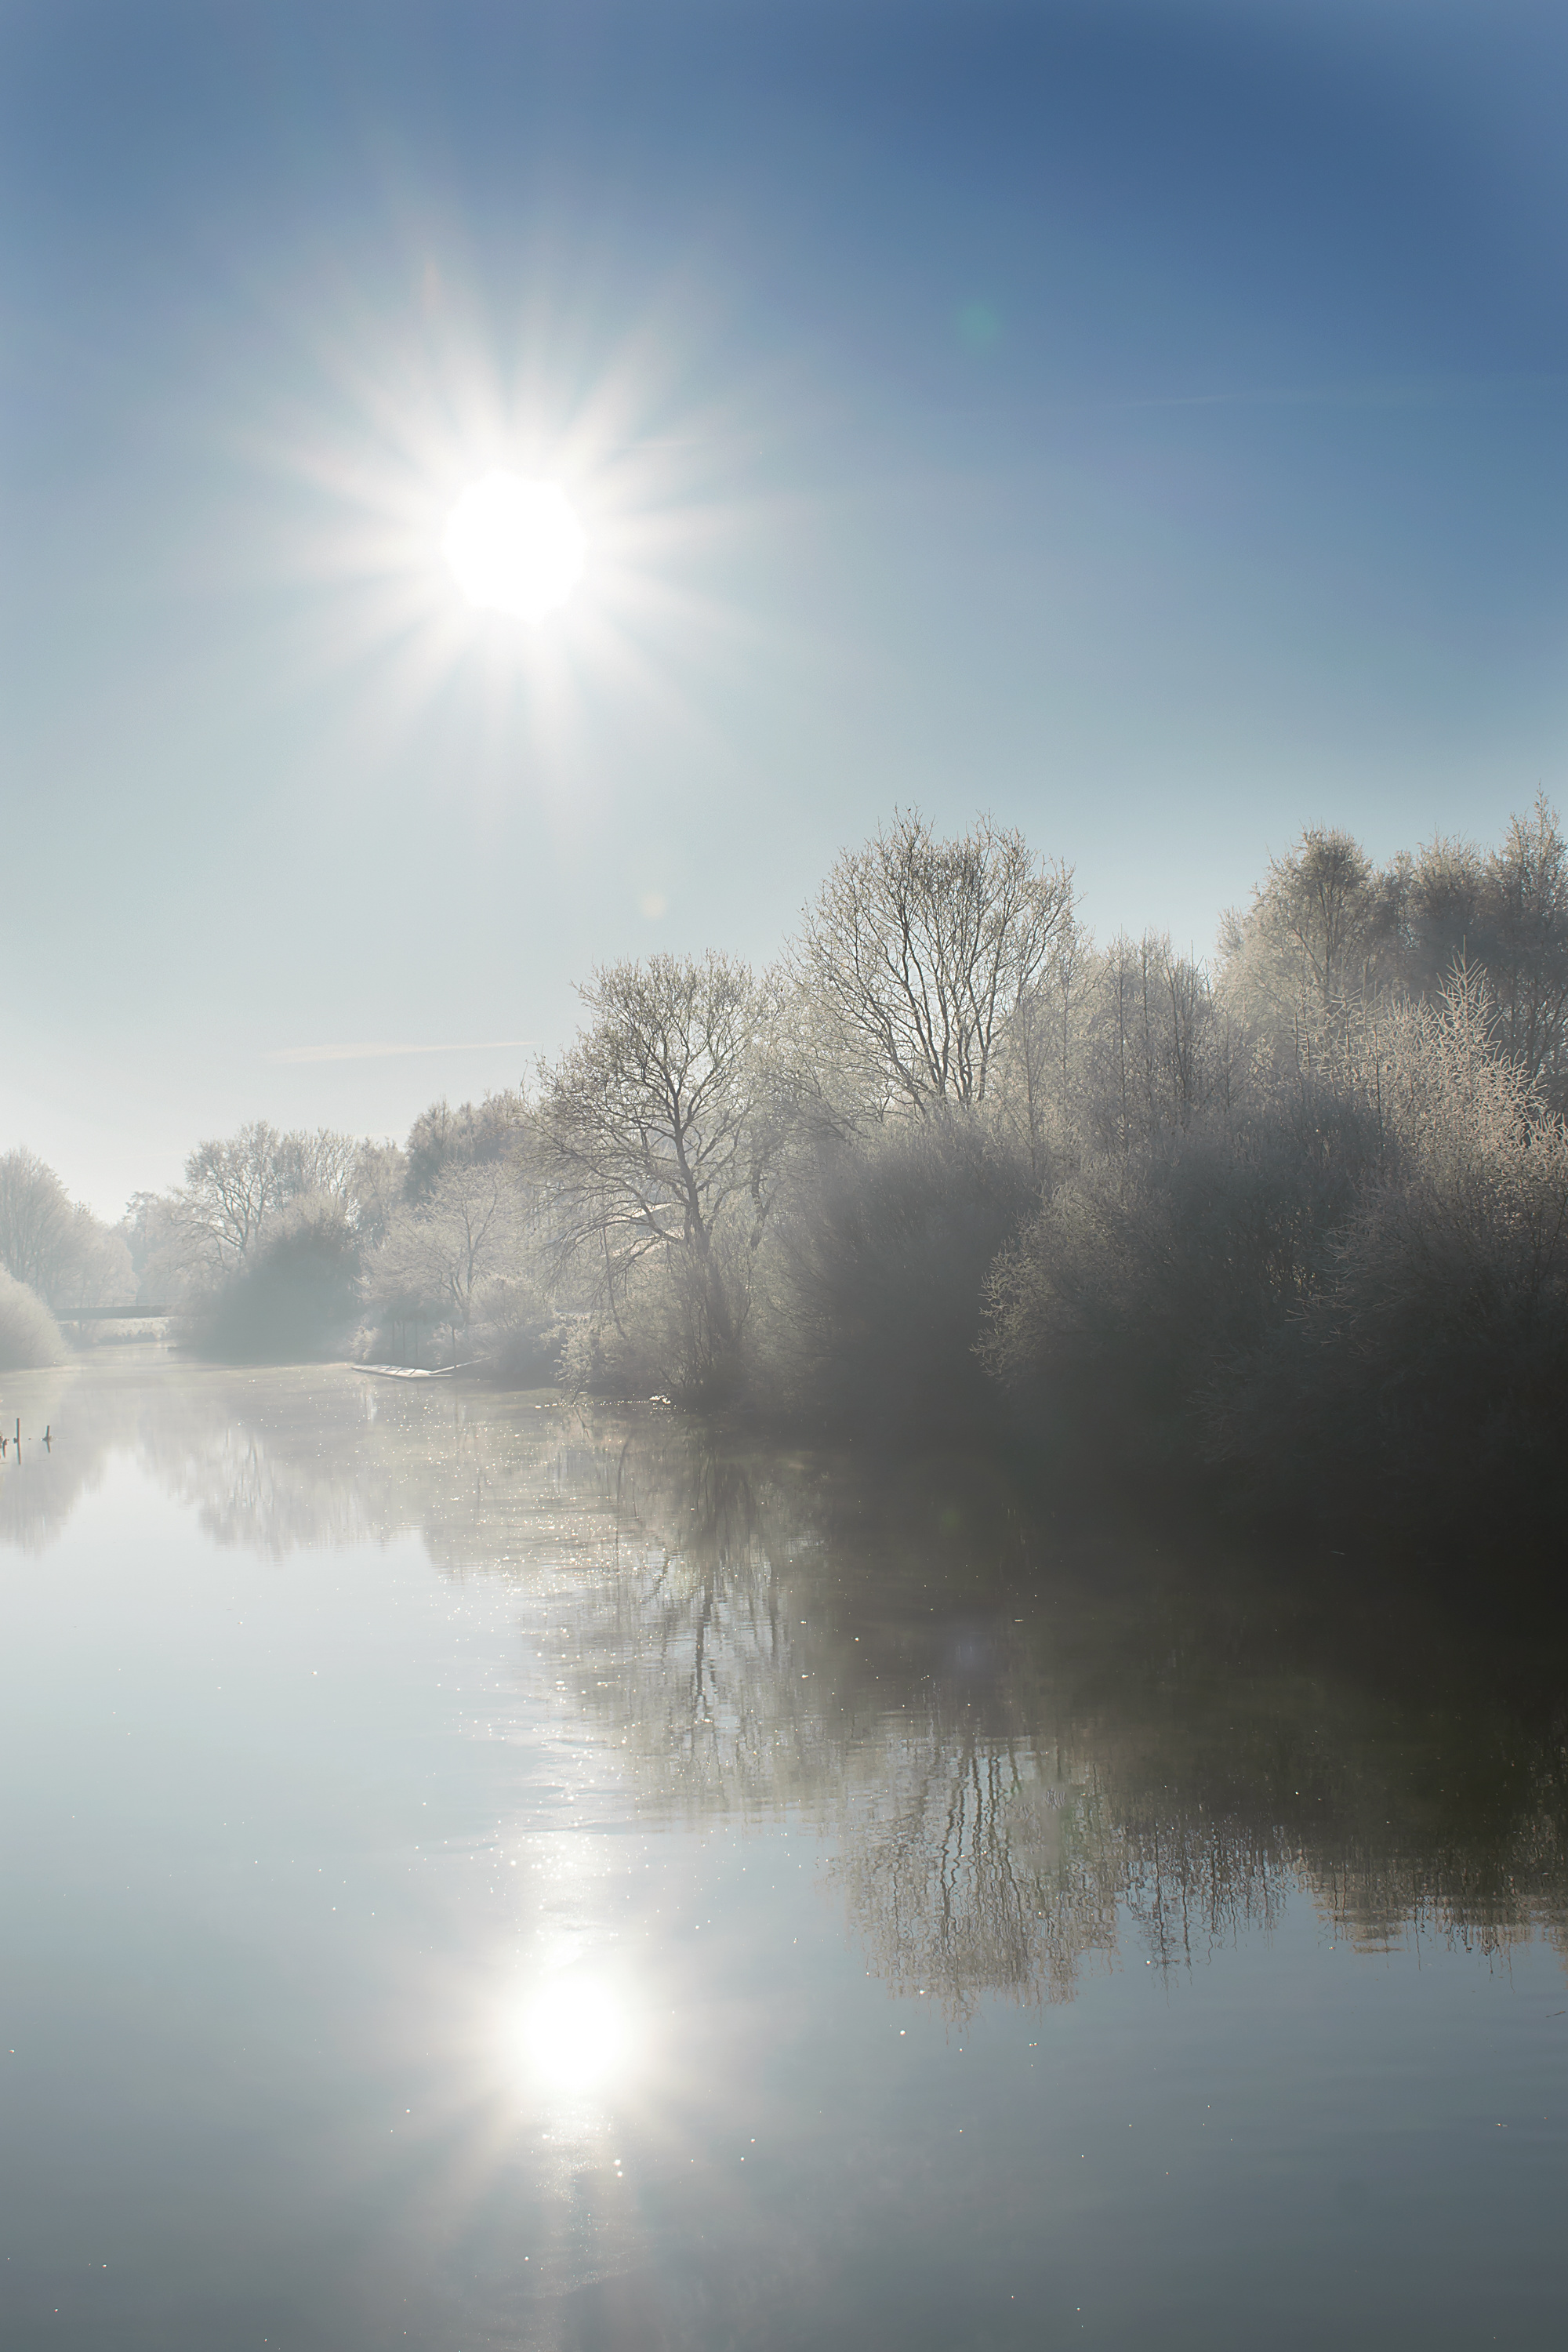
576	2034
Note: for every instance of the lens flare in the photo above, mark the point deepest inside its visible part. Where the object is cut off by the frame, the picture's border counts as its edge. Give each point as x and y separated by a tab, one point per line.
514	546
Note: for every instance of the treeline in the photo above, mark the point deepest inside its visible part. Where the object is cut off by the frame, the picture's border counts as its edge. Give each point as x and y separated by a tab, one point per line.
1296	1220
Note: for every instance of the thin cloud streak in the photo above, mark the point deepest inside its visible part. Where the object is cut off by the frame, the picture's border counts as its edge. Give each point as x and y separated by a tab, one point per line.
377	1053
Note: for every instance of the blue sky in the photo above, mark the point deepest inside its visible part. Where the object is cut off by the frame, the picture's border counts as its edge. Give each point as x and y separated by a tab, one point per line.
1145	422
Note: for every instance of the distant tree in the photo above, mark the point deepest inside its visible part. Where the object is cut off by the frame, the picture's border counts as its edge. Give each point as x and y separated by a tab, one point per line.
1041	1050
38	1235
919	952
319	1164
1151	1054
99	1272
493	1129
1443	917
144	1226
58	1247
162	1257
378	1185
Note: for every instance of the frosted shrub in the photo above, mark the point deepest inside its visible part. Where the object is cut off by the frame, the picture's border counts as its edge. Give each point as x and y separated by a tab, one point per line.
29	1336
1428	1374
1143	1277
520	1337
1451	1293
296	1295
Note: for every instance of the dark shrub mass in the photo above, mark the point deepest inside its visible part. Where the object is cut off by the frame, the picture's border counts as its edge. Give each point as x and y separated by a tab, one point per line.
883	1253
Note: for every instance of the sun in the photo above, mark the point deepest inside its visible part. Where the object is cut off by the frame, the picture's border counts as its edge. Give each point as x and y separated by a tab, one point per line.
515	546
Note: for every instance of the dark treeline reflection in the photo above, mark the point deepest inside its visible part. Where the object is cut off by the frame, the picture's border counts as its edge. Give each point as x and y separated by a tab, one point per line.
1032	1751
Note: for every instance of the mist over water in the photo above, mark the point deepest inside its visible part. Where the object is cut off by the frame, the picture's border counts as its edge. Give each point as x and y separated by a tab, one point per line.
525	1876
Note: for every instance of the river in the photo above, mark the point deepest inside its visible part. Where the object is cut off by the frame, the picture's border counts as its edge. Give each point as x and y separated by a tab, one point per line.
481	1875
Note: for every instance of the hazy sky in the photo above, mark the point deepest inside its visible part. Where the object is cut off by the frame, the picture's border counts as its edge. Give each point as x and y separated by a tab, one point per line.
1146	422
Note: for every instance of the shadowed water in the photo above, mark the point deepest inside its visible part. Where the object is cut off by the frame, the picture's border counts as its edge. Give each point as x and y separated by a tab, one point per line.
479	1877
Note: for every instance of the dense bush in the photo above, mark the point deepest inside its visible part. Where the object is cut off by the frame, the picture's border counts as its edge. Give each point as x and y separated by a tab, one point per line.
29	1336
1145	1279
522	1337
294	1296
1427	1372
881	1256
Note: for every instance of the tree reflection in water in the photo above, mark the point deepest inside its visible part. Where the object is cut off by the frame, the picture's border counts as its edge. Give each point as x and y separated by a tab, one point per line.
1032	1751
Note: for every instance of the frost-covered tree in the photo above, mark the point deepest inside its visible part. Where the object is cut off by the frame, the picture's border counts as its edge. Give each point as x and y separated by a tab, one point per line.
38	1231
235	1185
918	952
58	1247
1526	954
441	1254
232	1185
656	1140
1310	940
495	1129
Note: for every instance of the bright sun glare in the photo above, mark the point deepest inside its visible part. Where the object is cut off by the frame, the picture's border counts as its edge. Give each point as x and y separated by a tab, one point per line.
515	546
575	2036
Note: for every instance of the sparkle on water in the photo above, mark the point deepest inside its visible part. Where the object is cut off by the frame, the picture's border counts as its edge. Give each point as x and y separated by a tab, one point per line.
515	546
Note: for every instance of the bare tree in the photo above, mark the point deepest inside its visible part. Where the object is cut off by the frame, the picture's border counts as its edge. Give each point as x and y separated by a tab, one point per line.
379	1183
59	1249
440	1253
919	950
1318	904
322	1163
233	1184
655	1128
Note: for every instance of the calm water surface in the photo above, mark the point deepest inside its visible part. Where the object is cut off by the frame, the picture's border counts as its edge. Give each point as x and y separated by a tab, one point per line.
475	1877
